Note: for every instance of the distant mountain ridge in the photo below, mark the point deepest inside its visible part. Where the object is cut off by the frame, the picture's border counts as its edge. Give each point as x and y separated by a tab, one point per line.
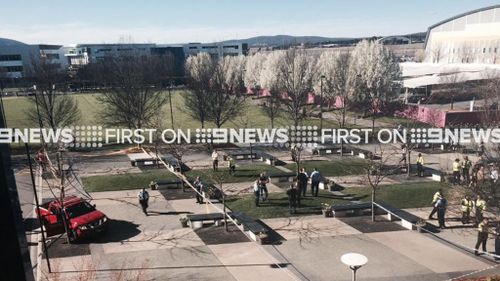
283	40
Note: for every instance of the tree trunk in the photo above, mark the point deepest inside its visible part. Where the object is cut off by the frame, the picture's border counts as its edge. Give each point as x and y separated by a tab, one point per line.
373	204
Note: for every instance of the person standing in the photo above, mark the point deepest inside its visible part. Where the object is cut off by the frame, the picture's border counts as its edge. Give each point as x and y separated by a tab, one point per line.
480	205
215	160
292	193
232	166
302	179
456	171
420	165
482	235
466	204
403	155
435	199
315	180
466	165
497	241
143	196
441	211
263	181
494	174
256	192
198	185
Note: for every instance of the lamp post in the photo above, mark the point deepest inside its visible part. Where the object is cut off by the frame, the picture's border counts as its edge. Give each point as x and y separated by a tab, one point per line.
354	261
321	102
170	103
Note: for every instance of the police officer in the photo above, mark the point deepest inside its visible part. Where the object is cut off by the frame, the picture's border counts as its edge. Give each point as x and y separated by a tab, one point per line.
482	235
199	188
420	165
456	171
435	199
480	207
466	165
466	204
292	193
441	211
143	196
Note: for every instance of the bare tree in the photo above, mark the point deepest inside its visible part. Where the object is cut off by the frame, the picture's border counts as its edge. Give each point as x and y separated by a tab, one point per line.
51	107
269	79
378	168
226	99
436	53
132	93
452	85
217	88
490	89
374	73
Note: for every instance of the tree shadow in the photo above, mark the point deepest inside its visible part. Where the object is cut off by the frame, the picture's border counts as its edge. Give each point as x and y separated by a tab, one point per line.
155	213
117	231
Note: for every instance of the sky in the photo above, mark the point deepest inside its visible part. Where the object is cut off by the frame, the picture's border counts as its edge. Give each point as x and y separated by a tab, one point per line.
181	21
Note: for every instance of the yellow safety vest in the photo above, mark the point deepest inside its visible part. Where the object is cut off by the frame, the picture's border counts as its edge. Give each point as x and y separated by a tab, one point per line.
481	204
420	160
467	205
456	167
436	197
483	227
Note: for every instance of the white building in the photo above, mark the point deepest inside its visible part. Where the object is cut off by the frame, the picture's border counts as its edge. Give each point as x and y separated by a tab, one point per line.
472	37
216	50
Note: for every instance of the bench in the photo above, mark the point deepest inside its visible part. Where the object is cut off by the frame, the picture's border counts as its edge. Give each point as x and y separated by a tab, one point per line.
326	150
365	154
249	225
169	182
241	155
197	220
267	158
143	162
282	177
407	220
173	164
357	209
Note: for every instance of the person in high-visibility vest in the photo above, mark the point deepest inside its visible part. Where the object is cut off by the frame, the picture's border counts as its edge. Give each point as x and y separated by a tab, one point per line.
420	165
482	235
438	195
466	204
480	205
456	171
466	165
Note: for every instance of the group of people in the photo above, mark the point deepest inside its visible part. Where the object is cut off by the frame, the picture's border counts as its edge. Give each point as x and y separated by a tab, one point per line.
462	173
215	162
298	190
468	205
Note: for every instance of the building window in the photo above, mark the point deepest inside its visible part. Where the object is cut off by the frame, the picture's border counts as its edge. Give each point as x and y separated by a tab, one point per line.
17	68
52	56
10	57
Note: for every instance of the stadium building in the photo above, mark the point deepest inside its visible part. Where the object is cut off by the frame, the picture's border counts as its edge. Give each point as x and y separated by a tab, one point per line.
472	37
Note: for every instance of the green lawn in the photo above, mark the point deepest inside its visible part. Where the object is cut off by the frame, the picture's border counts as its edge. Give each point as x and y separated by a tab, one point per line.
407	195
344	167
124	181
277	205
244	173
16	108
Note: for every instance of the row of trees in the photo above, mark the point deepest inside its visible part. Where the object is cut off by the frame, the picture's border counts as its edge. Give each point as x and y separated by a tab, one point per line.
365	76
133	85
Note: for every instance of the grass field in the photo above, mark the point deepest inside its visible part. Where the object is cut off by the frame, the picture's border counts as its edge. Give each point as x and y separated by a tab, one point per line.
408	195
245	173
17	107
124	181
344	167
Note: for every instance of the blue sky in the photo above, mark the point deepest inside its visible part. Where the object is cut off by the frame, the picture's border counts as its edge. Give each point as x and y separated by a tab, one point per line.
106	21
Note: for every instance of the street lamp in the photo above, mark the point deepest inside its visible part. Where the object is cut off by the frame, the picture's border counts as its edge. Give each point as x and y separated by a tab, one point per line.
321	102
354	261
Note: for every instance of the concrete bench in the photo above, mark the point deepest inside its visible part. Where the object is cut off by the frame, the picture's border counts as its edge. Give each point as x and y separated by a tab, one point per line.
407	220
174	165
267	158
357	209
241	155
282	177
197	220
169	182
249	225
144	162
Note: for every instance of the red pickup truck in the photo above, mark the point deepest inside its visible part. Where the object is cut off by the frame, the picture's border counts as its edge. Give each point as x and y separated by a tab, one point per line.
82	218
